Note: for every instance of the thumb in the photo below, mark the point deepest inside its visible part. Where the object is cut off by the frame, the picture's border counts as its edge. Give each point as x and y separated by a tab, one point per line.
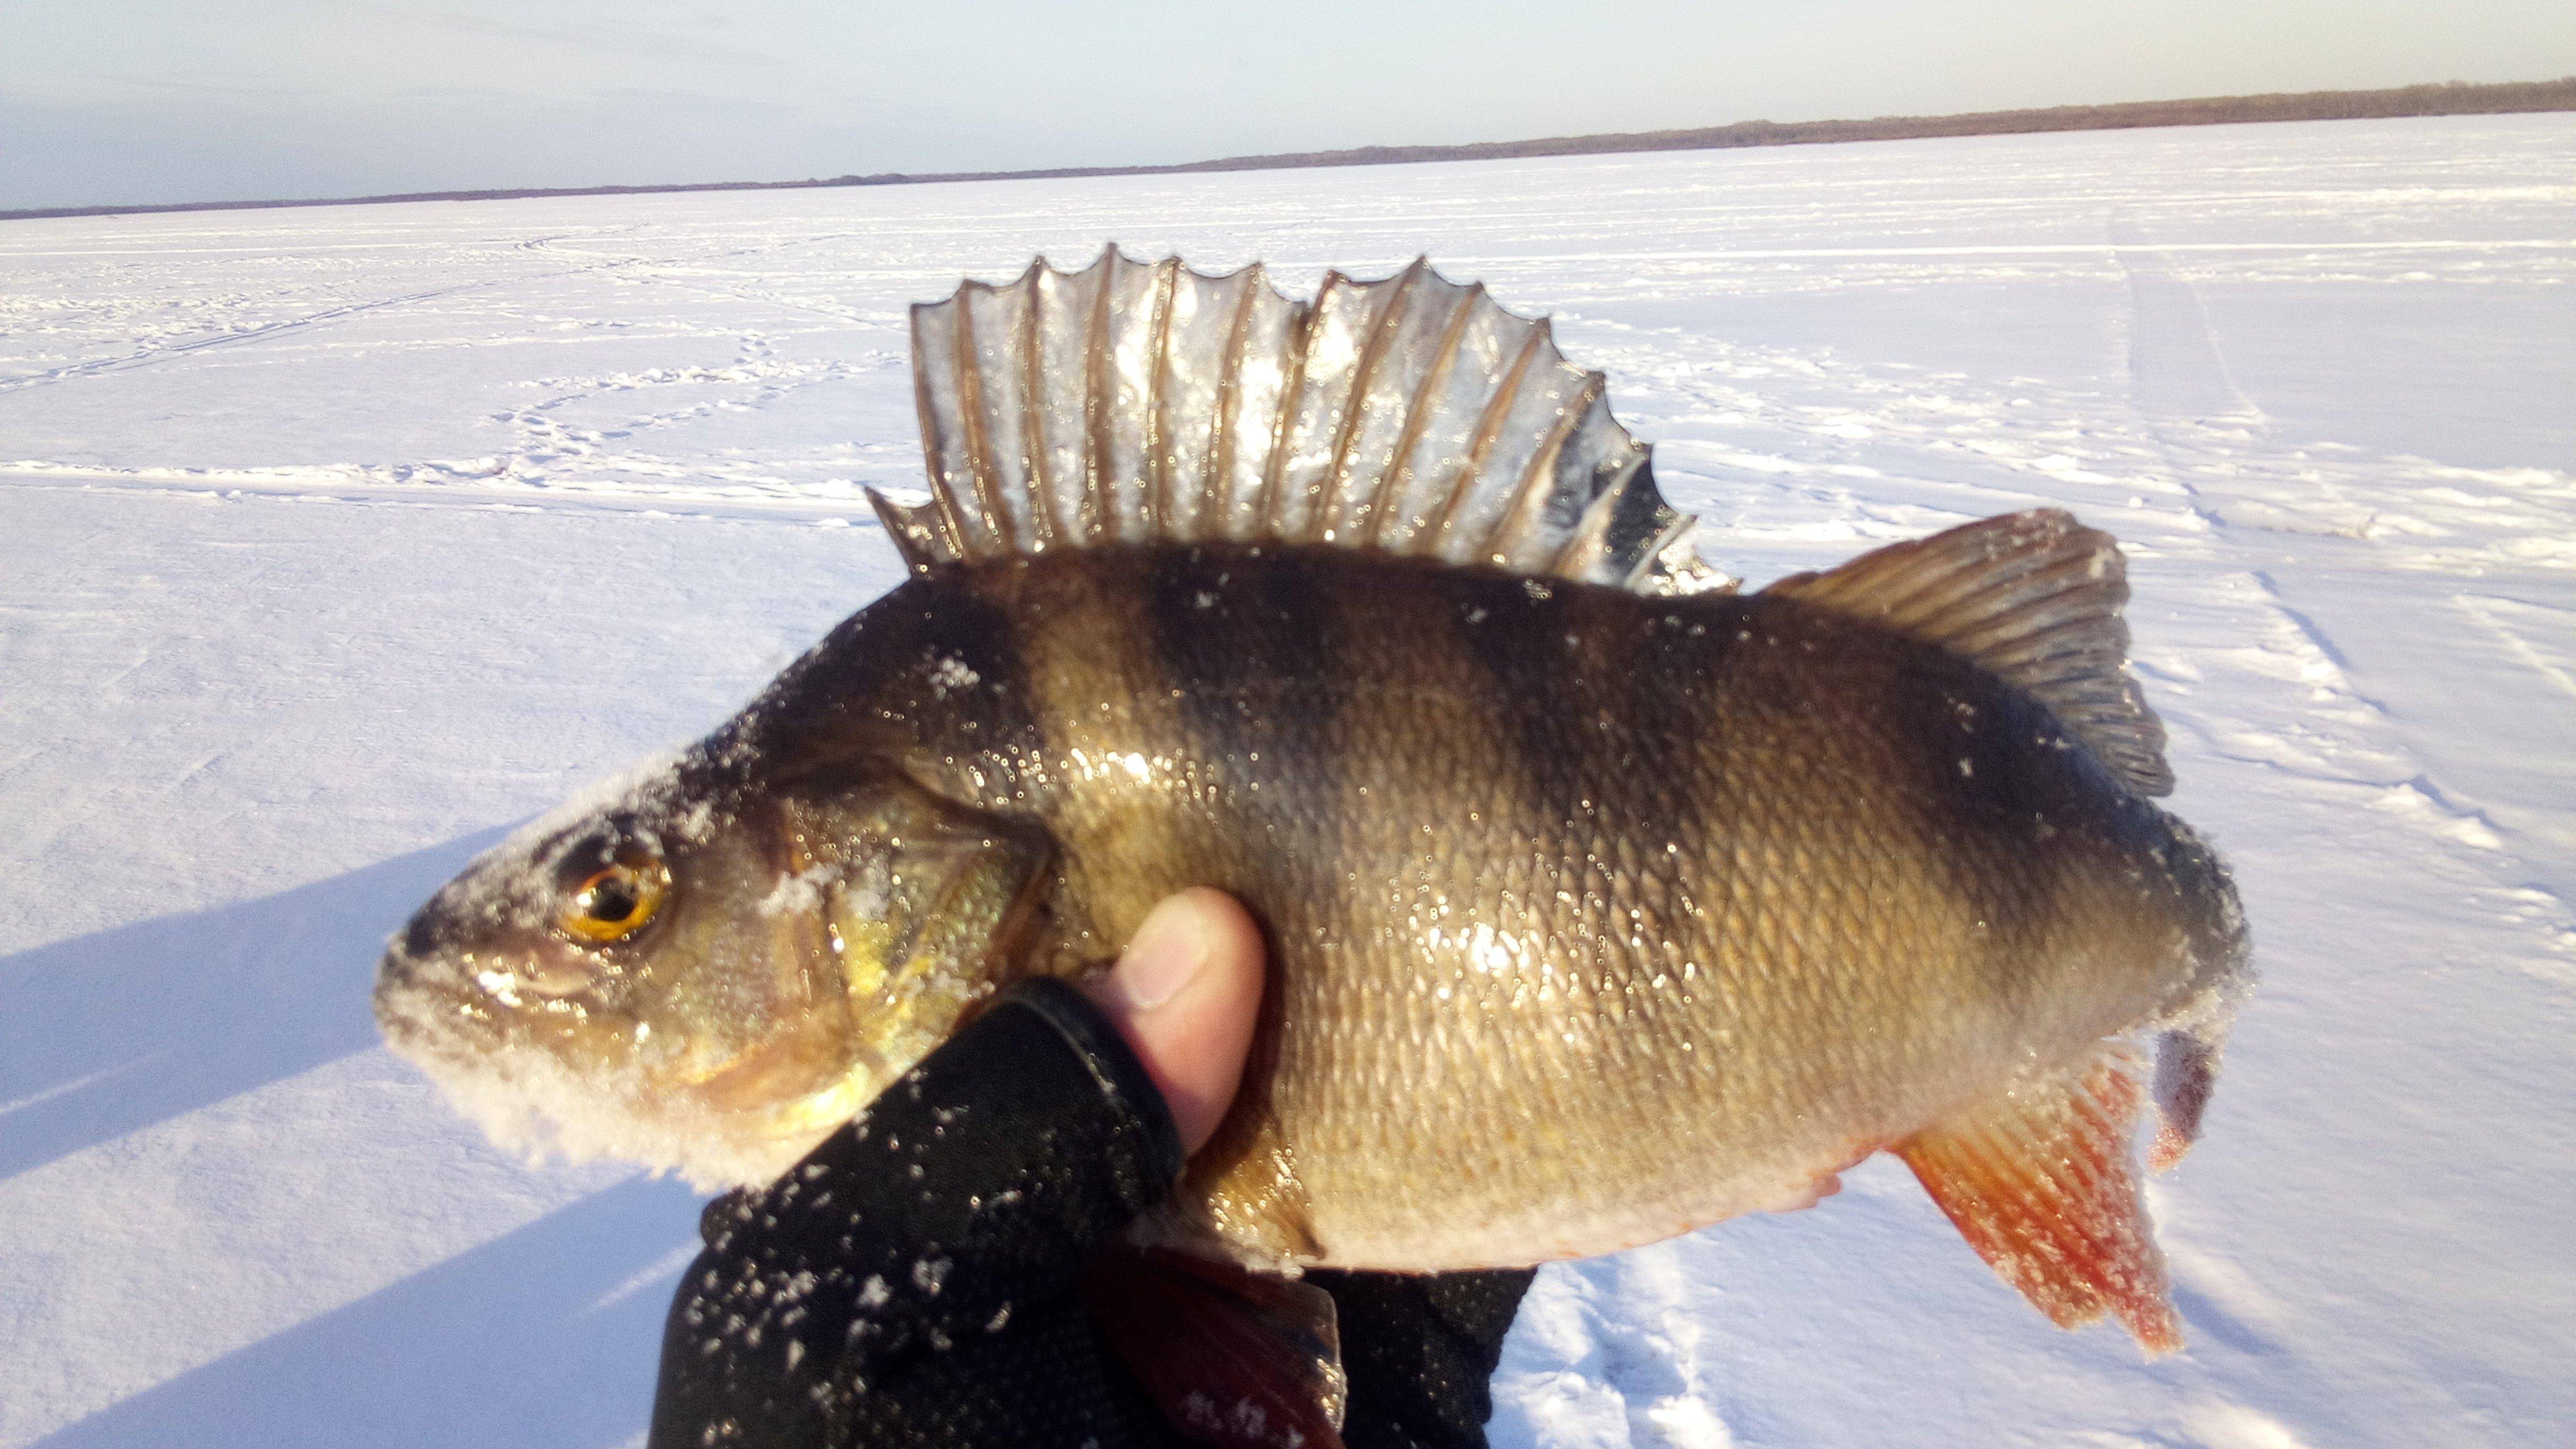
1184	995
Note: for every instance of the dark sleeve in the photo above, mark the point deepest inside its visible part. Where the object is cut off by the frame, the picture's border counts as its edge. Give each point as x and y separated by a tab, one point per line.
1420	1353
914	1282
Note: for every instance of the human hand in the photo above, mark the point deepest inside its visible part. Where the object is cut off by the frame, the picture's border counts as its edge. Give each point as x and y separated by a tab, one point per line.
916	1280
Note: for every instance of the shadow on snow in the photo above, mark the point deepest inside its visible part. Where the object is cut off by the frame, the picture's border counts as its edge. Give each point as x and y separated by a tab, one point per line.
510	1343
112	1032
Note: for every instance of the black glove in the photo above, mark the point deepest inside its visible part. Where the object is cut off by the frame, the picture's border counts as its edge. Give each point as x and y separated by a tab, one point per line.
1420	1351
915	1282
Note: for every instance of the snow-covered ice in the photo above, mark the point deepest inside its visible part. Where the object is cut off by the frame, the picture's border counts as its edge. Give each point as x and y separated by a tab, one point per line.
334	541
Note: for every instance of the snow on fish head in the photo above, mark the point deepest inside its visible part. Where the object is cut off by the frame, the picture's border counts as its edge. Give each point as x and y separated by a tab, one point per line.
704	970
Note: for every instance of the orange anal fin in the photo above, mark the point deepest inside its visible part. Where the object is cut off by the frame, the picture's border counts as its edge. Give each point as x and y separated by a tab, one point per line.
1235	1359
2041	1182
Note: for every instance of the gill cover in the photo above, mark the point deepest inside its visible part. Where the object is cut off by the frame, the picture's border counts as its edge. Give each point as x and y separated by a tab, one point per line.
924	909
890	914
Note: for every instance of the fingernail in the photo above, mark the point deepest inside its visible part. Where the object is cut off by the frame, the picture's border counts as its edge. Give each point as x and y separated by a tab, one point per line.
1167	950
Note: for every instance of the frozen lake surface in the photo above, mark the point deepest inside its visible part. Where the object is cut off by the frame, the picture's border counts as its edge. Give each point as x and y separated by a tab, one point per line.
333	541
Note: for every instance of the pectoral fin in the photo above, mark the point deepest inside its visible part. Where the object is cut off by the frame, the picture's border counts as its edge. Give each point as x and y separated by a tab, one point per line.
2042	1182
1235	1359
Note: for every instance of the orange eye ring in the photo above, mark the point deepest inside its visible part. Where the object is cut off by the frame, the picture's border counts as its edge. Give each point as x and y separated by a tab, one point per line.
614	902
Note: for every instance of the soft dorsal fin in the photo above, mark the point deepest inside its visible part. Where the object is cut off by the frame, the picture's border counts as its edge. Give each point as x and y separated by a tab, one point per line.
2034	597
1131	402
2040	1181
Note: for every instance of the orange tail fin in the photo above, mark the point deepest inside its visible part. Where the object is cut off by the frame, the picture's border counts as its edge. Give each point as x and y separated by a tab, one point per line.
2041	1182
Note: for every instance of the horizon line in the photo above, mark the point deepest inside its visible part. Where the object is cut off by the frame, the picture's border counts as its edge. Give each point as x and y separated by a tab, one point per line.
2441	98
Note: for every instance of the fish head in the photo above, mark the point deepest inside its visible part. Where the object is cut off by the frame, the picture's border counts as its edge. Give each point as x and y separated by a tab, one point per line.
707	976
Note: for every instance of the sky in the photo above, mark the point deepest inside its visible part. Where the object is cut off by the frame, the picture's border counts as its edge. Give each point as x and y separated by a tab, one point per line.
141	101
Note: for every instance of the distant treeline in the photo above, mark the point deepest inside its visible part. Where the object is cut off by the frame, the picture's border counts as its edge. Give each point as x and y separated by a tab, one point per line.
2455	98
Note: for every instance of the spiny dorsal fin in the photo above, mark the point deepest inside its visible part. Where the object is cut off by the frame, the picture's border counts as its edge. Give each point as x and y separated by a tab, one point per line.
2039	1180
1133	402
2035	597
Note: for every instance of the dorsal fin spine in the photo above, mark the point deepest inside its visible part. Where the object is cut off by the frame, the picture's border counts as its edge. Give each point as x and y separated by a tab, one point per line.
952	531
1592	535
1095	400
977	438
1229	389
1489	426
1391	313
1526	493
1372	529
1301	333
1158	426
1042	508
1292	527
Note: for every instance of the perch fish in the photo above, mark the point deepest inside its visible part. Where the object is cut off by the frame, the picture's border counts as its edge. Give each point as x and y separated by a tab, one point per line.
1606	901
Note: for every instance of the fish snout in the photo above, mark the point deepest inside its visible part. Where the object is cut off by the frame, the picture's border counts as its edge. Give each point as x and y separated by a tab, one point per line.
419	940
437	985
413	962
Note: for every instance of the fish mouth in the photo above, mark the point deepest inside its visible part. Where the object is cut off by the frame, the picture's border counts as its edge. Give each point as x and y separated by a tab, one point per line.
801	1118
457	1020
793	1068
579	1095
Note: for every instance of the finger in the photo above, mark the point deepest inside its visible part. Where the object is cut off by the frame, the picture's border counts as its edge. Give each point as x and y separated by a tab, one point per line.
1185	994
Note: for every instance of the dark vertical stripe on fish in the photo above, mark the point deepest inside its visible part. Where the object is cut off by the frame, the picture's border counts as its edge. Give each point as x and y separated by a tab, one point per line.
1248	642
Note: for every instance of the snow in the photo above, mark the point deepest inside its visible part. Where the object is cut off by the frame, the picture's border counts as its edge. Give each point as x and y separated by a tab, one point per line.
332	542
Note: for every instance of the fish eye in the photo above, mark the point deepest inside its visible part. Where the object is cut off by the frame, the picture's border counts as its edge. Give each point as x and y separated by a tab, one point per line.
614	901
